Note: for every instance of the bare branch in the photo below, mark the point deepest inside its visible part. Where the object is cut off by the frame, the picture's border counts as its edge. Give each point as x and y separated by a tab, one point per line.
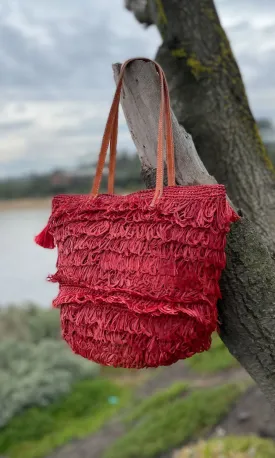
141	90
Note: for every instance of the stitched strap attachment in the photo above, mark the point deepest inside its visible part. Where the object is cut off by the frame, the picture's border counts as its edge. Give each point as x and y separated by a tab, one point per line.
111	133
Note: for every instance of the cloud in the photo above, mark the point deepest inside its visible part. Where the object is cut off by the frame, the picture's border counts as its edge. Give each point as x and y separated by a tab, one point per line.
68	56
56	74
52	134
56	81
254	48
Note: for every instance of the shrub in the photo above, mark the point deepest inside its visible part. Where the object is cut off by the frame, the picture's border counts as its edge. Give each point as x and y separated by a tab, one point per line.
29	323
37	374
230	447
38	431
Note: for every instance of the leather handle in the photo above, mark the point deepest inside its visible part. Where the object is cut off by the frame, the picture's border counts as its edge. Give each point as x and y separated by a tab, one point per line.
110	137
113	154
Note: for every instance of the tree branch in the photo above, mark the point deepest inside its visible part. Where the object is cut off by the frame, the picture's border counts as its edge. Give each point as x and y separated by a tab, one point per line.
209	99
248	283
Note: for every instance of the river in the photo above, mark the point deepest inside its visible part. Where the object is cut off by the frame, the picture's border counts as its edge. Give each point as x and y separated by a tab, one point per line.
24	266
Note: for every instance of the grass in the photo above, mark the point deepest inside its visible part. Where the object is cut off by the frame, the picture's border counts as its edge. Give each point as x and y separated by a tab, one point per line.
131	377
157	401
230	447
38	431
216	359
158	427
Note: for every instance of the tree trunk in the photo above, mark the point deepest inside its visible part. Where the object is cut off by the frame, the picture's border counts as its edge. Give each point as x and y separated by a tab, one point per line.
209	99
248	283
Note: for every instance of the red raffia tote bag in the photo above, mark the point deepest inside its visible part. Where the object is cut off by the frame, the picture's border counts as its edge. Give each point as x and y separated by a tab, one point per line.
139	274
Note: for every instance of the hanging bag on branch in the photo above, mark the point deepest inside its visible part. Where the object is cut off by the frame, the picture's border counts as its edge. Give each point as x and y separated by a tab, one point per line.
139	274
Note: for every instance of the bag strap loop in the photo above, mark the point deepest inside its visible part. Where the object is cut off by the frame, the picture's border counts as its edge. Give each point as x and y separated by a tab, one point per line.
111	133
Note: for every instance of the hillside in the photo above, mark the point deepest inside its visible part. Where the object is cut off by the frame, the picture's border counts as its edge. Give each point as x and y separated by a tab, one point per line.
55	404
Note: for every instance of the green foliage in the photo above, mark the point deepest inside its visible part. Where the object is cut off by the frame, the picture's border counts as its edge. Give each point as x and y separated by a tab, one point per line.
127	176
38	431
265	123
230	447
37	374
29	323
161	398
216	359
164	426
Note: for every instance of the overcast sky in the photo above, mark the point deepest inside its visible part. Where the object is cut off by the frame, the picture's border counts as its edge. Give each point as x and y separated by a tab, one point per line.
56	80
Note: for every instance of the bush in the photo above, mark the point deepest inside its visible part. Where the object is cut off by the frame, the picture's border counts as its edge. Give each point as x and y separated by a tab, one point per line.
29	323
37	374
38	431
230	447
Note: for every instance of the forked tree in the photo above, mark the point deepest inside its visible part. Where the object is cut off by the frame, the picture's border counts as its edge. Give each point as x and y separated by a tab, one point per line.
222	144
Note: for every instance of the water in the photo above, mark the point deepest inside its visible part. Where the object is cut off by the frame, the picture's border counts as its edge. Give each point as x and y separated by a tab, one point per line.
24	266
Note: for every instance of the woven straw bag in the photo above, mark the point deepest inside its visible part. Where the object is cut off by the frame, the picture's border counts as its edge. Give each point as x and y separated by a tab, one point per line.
139	274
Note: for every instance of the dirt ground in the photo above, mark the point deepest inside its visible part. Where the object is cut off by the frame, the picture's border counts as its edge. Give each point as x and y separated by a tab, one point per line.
251	415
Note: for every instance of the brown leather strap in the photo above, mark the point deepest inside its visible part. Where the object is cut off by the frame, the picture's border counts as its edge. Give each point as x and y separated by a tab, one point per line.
160	171
170	153
107	135
110	137
113	153
169	142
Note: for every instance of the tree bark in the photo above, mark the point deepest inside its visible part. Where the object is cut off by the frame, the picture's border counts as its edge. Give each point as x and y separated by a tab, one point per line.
247	310
140	9
209	99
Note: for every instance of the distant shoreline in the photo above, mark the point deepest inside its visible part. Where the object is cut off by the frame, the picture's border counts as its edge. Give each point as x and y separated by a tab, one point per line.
22	204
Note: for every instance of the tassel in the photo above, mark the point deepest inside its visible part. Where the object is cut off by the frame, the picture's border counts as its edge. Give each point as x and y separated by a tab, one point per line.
45	238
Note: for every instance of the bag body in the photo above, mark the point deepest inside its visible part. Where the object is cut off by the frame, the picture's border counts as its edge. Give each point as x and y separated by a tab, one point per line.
139	274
